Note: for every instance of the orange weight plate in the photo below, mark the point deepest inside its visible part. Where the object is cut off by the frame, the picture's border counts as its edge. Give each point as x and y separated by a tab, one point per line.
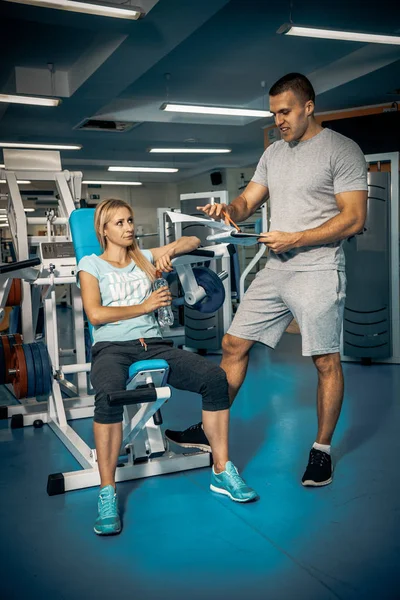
15	293
5	339
20	381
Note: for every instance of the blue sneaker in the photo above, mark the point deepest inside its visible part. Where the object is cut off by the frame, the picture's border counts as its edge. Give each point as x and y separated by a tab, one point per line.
108	521
231	484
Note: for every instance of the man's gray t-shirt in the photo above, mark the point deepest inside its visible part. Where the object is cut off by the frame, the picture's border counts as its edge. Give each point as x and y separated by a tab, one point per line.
303	178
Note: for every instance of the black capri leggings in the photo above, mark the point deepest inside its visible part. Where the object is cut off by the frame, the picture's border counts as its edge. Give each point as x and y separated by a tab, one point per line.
187	371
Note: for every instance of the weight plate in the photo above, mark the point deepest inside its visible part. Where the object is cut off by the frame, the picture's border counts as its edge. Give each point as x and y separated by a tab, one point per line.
20	380
15	293
7	357
38	370
214	288
30	368
46	368
15	320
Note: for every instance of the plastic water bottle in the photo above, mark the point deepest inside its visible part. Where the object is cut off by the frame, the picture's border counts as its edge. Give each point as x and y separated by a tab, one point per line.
165	315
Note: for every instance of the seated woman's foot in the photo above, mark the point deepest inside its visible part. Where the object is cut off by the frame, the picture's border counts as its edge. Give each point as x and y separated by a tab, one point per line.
108	521
231	484
193	437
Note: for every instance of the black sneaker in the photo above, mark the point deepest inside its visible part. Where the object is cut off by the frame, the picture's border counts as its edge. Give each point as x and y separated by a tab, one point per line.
193	437
319	469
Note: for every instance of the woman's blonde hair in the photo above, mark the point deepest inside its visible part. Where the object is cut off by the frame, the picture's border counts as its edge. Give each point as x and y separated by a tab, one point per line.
103	214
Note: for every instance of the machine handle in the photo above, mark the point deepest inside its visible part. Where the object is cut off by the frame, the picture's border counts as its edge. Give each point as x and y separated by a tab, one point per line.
201	252
138	396
22	264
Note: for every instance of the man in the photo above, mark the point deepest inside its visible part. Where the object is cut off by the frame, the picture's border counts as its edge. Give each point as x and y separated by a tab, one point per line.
316	183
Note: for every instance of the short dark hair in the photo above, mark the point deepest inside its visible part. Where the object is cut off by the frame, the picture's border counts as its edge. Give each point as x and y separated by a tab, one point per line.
297	83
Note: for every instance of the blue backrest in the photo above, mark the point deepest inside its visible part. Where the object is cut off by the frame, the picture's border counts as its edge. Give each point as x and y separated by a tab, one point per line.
81	222
83	233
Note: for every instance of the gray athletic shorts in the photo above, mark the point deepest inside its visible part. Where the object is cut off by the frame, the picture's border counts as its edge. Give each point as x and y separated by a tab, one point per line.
314	298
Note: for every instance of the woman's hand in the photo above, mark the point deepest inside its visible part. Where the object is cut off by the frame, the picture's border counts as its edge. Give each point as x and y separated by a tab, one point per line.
158	298
164	263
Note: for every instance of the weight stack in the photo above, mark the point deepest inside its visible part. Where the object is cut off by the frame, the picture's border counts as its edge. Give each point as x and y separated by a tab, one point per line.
367	313
203	331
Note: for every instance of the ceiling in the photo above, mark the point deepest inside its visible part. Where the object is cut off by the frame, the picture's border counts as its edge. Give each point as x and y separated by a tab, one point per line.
216	52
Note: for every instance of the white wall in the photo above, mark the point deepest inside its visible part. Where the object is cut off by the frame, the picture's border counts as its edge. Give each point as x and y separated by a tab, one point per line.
231	181
144	200
201	183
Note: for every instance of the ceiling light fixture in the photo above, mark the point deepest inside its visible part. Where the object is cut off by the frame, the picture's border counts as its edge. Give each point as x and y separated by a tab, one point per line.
40	146
32	100
215	110
331	34
143	169
112	182
90	8
190	150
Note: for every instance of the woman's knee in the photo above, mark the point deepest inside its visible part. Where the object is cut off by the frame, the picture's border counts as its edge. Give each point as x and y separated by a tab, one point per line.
104	413
215	390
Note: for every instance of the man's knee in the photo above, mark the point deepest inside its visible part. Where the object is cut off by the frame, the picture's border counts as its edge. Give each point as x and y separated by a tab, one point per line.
327	363
234	346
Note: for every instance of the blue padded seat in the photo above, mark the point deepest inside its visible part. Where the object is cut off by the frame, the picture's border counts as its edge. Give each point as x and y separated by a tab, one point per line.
146	365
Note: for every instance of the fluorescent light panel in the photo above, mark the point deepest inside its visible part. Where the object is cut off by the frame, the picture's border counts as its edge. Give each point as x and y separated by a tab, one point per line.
33	100
331	34
22	181
85	7
190	150
143	169
40	146
112	182
215	110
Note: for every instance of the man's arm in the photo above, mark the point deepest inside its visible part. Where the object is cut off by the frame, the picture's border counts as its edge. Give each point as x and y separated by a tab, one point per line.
349	221
241	207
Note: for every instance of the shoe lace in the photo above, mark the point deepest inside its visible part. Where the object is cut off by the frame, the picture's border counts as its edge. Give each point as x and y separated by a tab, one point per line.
317	457
108	505
236	479
195	427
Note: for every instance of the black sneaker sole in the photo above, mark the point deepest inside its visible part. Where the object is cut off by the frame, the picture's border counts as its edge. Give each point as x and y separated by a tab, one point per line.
202	447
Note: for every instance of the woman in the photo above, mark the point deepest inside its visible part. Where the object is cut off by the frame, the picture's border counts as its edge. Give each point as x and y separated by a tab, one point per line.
119	303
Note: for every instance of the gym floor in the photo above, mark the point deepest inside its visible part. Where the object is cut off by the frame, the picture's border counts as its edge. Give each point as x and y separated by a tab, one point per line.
180	541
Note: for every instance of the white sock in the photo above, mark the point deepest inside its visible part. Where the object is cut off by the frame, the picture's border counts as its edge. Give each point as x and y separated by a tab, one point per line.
323	447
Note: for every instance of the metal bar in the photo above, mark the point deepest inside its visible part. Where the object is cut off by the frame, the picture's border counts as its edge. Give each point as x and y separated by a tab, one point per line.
44	221
170	463
74	444
54	280
78	368
79	338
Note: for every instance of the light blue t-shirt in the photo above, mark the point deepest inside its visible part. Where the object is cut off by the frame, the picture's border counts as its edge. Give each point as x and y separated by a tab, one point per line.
127	286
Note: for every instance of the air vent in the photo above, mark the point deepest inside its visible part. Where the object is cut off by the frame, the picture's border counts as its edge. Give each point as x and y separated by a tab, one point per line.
102	125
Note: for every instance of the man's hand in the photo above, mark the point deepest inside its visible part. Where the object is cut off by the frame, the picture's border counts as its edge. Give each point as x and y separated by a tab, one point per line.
216	211
279	241
164	263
